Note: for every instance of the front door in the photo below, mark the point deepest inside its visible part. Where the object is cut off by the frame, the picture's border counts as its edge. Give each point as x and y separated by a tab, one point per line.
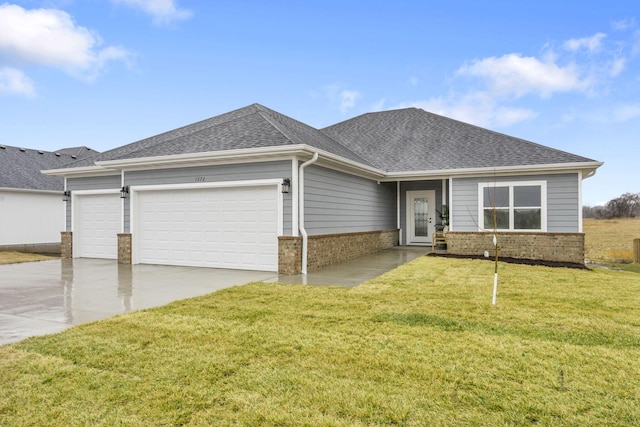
421	212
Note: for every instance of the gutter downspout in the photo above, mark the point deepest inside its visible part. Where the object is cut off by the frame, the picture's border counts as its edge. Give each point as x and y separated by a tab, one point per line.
398	212
303	231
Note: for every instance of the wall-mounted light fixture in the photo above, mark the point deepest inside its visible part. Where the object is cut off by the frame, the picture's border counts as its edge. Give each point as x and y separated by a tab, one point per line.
286	185
66	196
124	191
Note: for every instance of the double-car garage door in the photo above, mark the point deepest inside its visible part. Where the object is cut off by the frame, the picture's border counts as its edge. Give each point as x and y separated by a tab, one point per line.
220	227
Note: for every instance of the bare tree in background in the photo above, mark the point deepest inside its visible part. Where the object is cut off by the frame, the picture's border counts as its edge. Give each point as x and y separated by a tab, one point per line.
625	206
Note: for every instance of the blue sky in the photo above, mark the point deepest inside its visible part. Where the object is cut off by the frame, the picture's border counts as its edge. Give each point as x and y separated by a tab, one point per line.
103	73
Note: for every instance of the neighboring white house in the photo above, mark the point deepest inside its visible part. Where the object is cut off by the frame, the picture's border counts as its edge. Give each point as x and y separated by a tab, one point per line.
32	212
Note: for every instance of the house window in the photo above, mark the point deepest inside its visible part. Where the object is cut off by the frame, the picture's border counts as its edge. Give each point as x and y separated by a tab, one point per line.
513	206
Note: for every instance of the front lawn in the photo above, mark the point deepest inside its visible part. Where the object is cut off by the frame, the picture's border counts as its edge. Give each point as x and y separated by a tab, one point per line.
421	345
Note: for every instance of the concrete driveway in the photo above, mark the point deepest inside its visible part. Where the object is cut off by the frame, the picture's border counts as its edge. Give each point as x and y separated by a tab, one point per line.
39	298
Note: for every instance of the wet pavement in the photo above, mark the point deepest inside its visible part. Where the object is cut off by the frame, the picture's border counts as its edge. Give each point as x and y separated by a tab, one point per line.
354	272
39	298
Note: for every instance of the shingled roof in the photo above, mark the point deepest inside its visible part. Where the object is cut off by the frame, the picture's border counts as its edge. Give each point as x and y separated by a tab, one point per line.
412	139
253	126
20	167
395	141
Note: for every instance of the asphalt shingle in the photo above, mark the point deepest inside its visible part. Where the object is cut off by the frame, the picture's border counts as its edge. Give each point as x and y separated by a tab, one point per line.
20	167
253	126
402	140
412	139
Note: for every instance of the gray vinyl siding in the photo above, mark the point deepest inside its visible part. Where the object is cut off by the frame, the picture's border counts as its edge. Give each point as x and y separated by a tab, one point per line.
416	186
94	183
464	206
221	173
336	202
563	204
109	182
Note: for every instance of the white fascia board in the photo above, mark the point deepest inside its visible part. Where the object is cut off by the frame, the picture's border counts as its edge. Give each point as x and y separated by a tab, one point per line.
81	172
501	170
339	163
29	190
212	157
246	155
330	160
95	192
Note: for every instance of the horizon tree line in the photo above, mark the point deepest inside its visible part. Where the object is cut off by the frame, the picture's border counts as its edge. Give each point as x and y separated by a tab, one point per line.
625	206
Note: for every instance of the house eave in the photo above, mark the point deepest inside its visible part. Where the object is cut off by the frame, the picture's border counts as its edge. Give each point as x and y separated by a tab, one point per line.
248	155
204	158
587	168
303	151
29	190
79	172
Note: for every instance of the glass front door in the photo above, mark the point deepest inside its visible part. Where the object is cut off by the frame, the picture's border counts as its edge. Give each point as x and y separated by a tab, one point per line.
421	208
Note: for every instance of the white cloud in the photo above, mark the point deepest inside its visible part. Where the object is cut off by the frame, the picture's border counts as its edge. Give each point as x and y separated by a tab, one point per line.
625	113
635	48
346	98
617	66
624	24
13	81
489	91
505	117
163	12
49	37
478	108
513	75
591	44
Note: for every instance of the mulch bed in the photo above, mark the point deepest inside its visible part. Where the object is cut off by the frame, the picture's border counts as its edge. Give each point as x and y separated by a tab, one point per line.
510	260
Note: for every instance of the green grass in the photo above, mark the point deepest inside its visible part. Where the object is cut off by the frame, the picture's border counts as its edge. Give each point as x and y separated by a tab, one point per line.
633	268
421	345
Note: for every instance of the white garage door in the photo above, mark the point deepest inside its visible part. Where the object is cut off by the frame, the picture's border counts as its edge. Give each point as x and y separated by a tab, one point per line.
209	227
97	222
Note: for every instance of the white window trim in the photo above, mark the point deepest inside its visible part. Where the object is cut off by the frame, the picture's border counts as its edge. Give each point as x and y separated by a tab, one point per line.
511	184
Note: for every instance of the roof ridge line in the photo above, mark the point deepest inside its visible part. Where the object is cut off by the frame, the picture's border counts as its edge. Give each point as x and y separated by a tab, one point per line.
176	130
264	113
262	109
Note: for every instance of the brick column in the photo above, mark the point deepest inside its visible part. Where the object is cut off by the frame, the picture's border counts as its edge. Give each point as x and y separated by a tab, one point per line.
124	248
66	244
289	255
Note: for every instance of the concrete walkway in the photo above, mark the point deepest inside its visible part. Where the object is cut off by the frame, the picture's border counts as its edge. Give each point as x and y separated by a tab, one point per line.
45	297
354	272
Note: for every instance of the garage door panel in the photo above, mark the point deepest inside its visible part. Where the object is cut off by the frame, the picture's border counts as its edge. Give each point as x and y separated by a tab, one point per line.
214	227
97	222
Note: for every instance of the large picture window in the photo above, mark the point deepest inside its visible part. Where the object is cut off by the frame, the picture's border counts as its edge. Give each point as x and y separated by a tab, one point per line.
513	206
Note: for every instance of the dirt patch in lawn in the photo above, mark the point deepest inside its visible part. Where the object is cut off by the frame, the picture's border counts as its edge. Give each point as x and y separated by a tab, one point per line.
15	257
510	260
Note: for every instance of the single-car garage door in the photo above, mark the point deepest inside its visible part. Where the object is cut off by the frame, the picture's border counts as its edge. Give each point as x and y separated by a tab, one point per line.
224	227
97	222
